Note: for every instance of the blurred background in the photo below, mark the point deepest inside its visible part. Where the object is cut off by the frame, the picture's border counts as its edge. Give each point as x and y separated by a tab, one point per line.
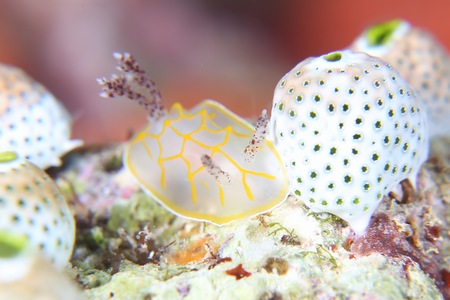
232	51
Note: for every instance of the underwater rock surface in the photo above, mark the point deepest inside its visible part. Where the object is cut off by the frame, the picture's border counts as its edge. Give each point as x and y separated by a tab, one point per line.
129	247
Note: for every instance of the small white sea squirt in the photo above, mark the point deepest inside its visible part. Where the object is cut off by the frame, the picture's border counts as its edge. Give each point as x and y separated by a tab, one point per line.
33	122
193	162
32	205
349	129
420	59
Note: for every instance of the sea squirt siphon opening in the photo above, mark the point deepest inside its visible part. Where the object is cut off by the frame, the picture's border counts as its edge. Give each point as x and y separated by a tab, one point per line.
334	56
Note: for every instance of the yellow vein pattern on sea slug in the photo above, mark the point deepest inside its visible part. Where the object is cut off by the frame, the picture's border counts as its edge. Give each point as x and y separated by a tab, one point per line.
173	171
206	124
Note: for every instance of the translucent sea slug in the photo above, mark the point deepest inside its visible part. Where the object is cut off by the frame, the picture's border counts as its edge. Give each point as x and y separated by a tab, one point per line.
349	129
420	59
202	163
32	122
32	206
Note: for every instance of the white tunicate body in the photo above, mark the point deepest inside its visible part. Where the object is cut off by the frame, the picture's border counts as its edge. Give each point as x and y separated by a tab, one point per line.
31	204
349	129
32	122
422	62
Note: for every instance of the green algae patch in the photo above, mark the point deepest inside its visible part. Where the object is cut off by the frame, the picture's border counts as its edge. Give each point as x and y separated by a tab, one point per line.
89	277
142	209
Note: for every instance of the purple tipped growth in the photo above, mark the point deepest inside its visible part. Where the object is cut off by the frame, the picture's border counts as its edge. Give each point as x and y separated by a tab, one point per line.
134	84
258	137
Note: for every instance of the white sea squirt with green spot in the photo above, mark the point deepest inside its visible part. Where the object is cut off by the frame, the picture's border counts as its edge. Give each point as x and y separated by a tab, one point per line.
349	129
420	59
205	164
34	215
33	122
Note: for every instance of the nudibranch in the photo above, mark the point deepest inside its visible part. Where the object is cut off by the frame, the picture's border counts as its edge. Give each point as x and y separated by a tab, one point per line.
32	122
349	129
206	163
420	59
